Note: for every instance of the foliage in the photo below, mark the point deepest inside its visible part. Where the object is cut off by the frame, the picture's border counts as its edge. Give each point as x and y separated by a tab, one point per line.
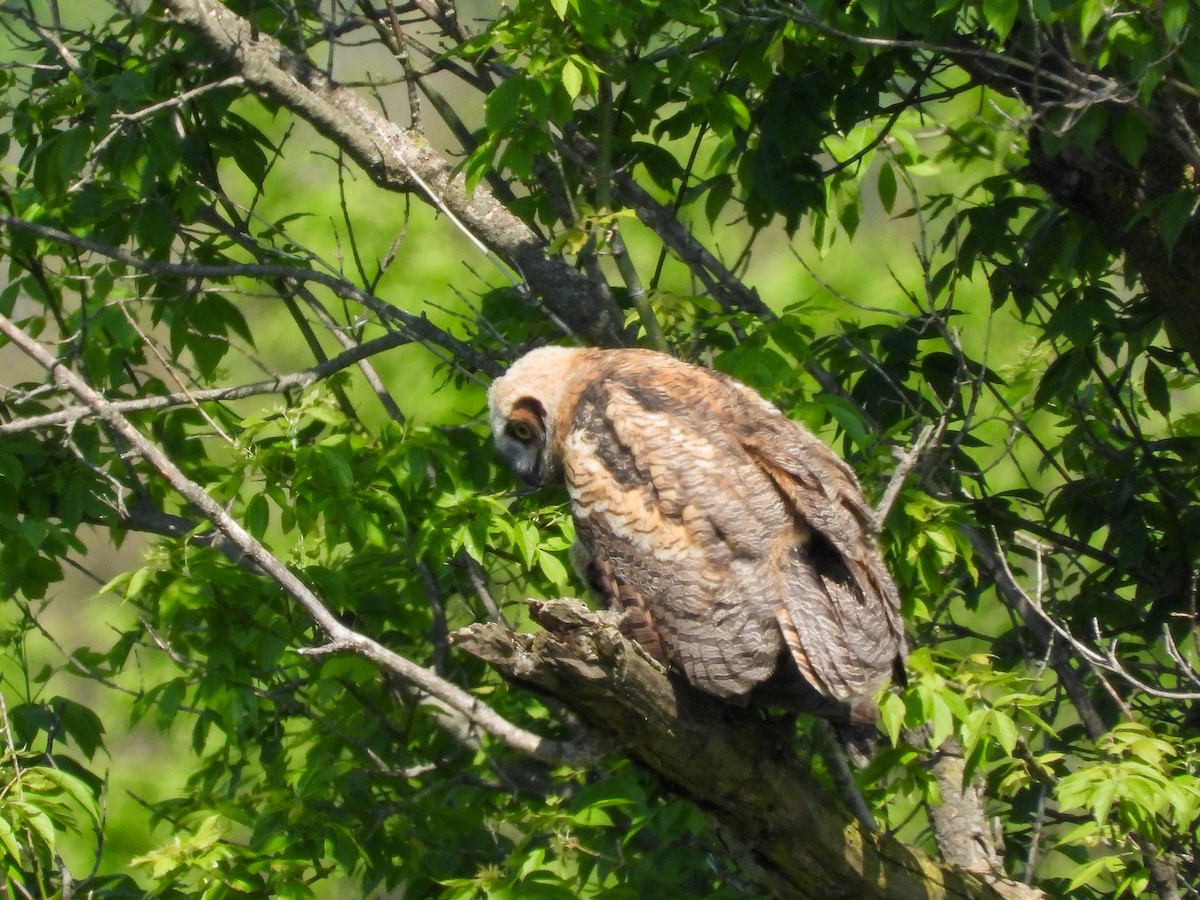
977	217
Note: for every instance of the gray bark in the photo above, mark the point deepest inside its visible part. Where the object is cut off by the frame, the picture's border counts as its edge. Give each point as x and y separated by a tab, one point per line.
403	160
740	768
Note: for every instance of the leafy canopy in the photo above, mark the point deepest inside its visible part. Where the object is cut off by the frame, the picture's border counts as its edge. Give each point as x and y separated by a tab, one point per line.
974	222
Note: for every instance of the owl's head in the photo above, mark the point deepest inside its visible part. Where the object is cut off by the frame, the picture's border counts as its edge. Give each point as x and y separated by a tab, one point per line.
524	406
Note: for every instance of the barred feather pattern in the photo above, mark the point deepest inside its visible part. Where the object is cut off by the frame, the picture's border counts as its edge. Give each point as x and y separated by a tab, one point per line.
739	545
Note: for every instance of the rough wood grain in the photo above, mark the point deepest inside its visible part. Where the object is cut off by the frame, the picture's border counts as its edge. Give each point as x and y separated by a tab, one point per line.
729	761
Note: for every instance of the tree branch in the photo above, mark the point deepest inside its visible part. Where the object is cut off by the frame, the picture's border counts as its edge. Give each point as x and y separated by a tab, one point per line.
277	385
417	328
340	637
401	160
1105	658
729	760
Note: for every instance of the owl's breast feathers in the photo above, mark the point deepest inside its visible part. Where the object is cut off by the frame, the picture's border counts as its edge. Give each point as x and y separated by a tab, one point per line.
732	536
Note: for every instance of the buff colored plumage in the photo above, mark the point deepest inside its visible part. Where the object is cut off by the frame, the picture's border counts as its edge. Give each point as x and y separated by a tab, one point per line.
739	545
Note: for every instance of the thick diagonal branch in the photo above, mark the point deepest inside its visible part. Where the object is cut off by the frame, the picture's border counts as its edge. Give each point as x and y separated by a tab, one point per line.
444	694
727	760
402	160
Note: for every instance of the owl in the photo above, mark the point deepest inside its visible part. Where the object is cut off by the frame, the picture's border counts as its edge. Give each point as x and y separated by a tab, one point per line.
738	545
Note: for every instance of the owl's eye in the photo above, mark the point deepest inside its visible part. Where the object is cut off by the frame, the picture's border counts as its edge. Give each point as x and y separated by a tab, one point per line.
520	431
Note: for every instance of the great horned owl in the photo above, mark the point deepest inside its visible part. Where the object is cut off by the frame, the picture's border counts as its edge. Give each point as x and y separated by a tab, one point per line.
738	544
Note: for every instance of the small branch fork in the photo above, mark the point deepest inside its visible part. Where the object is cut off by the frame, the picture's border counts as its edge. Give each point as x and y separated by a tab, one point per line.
907	461
443	694
277	385
1105	659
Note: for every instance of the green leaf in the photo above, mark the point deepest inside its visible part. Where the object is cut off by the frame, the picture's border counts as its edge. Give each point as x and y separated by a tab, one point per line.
1174	214
887	186
36	822
1004	729
80	723
1175	15
137	582
1090	14
1158	395
1132	136
72	150
505	105
8	840
169	699
1101	799
525	537
975	758
891	715
1091	870
79	792
1000	15
592	817
941	719
572	79
290	890
257	516
341	468
8	297
553	569
875	10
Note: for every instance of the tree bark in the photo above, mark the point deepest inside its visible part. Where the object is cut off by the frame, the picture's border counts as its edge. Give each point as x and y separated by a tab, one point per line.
401	160
959	825
730	761
1122	197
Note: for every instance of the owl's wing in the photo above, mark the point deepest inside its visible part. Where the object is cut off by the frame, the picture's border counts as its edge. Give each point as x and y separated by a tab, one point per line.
841	611
731	532
681	520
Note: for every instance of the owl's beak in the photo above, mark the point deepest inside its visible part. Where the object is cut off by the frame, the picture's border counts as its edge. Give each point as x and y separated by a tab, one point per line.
527	463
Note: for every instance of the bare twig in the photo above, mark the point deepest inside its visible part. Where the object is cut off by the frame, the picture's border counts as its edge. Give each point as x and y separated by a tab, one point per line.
170	369
1002	67
1105	659
1017	600
929	434
340	637
479	583
368	371
410	75
278	385
122	120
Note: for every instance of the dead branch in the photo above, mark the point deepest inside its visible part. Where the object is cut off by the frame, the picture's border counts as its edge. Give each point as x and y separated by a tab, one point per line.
733	763
1104	655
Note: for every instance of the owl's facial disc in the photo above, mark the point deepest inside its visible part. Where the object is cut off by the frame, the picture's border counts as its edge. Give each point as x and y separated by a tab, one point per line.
522	443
